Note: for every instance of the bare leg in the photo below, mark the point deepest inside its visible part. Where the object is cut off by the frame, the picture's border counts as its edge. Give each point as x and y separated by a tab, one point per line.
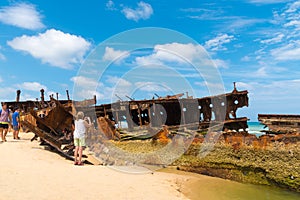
80	154
75	154
17	135
2	137
5	133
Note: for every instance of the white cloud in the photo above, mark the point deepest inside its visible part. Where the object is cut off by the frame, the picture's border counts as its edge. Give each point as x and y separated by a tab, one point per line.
241	23
87	94
110	5
151	60
2	57
86	88
244	86
7	93
32	86
22	15
115	86
151	86
53	47
220	63
207	14
28	96
261	72
29	91
293	7
274	90
268	1
118	81
173	52
195	10
228	23
282	42
142	11
111	54
278	38
212	86
290	51
216	44
293	23
178	53
289	18
61	96
84	82
245	59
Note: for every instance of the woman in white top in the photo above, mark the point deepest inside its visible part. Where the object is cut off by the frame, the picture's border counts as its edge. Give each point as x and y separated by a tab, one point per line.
81	126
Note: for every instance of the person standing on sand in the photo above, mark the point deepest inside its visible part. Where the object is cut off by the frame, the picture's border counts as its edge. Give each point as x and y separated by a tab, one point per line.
16	123
81	126
4	117
10	128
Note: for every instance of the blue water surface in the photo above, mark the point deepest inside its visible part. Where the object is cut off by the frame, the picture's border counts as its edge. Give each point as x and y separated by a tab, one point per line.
256	128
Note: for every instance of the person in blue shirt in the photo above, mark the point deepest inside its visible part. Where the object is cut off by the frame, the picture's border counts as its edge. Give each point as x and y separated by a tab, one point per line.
16	123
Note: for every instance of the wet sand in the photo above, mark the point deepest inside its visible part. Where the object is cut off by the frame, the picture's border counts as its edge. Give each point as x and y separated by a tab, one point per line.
200	187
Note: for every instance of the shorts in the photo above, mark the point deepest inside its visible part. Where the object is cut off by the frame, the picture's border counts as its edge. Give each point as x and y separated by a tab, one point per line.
15	128
79	142
4	126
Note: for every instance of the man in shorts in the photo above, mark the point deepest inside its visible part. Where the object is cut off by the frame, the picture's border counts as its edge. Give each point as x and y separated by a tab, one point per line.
16	123
4	117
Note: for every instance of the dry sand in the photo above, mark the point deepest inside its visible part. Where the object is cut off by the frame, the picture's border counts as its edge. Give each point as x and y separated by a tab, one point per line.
30	172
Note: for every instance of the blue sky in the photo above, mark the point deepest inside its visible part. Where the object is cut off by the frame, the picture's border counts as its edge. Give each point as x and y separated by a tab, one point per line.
256	43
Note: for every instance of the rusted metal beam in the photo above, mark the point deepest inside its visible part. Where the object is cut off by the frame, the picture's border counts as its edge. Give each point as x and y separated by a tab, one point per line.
50	139
43	122
42	95
68	96
18	95
280	123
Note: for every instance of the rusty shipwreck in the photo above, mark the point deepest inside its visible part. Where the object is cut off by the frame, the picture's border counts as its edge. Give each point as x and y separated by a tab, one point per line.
51	120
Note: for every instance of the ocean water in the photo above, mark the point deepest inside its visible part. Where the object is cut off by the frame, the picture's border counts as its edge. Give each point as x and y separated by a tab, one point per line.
256	128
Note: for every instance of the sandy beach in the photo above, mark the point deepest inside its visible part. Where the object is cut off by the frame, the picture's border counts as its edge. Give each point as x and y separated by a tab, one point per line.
30	172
